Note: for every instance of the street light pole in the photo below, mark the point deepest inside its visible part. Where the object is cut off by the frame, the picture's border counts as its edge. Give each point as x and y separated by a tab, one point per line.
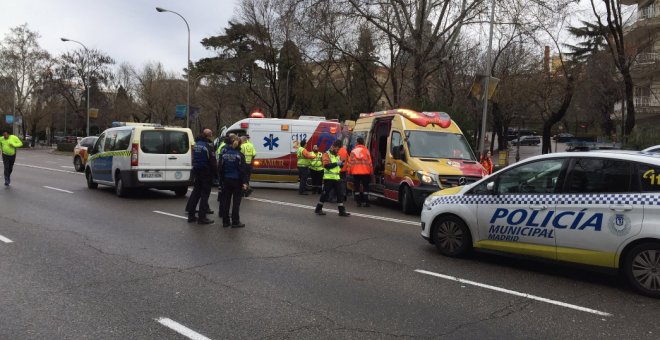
160	10
88	78
482	144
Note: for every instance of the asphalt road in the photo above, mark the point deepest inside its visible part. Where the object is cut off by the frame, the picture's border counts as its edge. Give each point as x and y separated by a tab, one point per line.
85	264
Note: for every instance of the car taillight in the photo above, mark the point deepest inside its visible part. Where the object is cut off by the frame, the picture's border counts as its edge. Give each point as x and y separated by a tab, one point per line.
134	154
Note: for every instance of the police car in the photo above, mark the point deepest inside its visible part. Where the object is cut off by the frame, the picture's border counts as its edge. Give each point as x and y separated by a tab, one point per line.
593	208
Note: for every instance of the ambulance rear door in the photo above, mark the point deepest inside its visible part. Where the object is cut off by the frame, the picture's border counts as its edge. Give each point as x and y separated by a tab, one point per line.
272	141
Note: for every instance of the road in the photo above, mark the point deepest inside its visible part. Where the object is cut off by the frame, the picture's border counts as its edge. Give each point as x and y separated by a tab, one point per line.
84	263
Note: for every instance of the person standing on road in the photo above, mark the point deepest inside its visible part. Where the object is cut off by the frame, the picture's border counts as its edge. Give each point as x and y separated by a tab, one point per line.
9	144
343	156
247	149
234	181
361	168
487	162
316	170
304	160
332	166
204	166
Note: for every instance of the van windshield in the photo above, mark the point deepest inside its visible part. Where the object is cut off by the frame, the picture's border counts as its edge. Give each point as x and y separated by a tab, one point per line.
429	144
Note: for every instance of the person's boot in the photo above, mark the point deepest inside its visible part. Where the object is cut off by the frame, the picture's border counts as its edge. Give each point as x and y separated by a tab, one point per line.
238	225
192	218
342	211
319	209
203	219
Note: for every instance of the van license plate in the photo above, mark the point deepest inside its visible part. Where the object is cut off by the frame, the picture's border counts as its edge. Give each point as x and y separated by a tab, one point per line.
151	175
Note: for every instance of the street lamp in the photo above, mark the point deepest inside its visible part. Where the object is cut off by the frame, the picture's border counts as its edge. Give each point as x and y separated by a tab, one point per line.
87	72
160	10
482	144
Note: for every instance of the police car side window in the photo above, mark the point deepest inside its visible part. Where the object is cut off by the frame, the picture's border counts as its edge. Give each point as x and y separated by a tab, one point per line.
596	175
123	140
534	178
649	176
98	147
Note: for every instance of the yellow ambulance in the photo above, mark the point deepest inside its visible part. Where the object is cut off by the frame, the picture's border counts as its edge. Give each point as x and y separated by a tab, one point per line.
414	154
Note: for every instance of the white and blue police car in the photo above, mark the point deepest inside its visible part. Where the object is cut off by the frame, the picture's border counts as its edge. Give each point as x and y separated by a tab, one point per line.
593	208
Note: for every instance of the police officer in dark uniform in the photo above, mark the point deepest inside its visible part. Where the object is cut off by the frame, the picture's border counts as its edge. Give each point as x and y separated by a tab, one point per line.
233	179
204	167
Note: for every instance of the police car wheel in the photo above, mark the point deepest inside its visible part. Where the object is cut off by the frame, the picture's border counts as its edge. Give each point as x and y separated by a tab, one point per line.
642	268
90	181
120	189
451	236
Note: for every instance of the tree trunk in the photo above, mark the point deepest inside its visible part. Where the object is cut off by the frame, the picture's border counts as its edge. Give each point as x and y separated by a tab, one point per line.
630	103
556	116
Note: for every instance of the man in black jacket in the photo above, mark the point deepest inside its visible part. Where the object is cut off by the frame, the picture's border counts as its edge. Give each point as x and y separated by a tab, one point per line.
233	179
204	168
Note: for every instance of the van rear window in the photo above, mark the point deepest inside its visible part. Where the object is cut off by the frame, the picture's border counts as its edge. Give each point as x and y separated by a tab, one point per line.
164	142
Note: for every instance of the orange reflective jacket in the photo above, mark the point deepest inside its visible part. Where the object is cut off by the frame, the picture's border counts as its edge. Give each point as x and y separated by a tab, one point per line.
343	155
359	163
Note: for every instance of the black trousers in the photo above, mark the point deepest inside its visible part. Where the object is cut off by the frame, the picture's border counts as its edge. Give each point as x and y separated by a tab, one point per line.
363	180
202	183
232	192
303	174
8	162
328	186
317	180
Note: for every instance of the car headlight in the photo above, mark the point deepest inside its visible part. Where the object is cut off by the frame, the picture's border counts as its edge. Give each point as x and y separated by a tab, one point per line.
426	177
427	202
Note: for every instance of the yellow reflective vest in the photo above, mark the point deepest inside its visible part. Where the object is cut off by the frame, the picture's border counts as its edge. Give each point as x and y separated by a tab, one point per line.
303	162
316	163
248	150
332	174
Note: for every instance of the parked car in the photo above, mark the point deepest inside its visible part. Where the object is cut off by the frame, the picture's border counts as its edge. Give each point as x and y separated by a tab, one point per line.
563	137
514	134
80	152
591	208
527	140
652	149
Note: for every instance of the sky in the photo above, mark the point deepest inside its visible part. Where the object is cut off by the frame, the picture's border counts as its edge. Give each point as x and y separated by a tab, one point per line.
127	30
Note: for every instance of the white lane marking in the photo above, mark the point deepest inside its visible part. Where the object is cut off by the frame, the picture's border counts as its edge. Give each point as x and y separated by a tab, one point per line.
51	169
57	189
5	240
513	292
67	166
168	214
381	218
181	329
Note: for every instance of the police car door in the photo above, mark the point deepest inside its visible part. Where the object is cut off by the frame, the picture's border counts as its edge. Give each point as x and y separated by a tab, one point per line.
599	208
516	215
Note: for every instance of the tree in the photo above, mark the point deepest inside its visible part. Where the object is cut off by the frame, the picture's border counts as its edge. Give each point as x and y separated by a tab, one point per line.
24	62
363	87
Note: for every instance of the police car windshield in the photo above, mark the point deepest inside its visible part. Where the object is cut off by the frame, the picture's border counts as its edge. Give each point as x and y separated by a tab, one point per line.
430	144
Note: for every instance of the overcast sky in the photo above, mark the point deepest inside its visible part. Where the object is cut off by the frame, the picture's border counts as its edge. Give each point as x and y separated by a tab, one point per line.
128	30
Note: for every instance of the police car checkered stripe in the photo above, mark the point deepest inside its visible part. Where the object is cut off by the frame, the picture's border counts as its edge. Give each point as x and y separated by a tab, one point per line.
559	199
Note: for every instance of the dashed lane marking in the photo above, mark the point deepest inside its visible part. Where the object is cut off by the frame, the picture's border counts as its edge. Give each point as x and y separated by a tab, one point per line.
51	169
58	189
513	292
168	214
181	329
5	240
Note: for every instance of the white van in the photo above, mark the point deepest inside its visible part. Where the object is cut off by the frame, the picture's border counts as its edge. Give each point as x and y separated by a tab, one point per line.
140	155
273	140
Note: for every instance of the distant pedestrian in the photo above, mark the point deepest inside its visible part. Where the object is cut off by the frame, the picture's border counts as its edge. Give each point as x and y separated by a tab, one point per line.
316	171
304	160
343	156
361	168
248	150
9	144
332	166
234	181
204	166
487	162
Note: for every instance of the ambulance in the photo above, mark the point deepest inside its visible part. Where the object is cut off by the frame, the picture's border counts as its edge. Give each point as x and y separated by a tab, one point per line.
414	154
274	139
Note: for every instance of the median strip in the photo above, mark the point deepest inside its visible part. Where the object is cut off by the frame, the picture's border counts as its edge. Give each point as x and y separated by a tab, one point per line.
513	292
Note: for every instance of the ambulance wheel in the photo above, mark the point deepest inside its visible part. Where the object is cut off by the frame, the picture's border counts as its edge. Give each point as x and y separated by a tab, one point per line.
180	192
77	164
451	236
407	202
642	268
120	188
90	181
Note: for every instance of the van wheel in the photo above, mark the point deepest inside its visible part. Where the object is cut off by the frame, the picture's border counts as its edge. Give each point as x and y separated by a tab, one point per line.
642	268
90	180
407	202
120	188
180	192
451	236
77	164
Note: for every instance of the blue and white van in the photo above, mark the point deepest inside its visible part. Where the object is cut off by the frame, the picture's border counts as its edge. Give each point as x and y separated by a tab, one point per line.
140	155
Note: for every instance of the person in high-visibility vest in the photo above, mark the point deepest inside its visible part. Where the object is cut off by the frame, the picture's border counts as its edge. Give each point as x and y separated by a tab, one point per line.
361	168
331	167
9	143
247	149
316	170
304	160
